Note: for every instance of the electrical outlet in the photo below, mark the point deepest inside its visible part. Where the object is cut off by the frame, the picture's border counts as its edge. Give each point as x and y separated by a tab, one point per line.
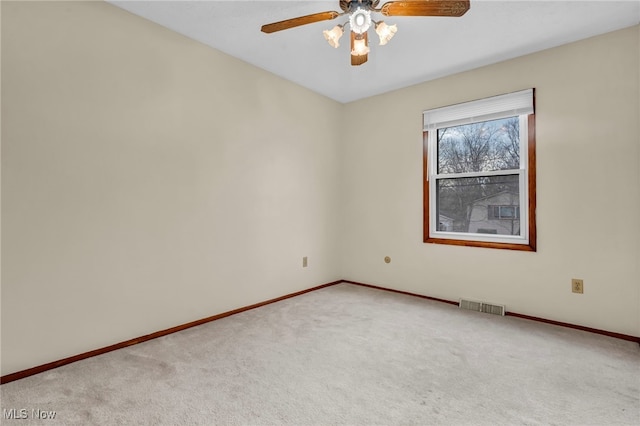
304	262
577	286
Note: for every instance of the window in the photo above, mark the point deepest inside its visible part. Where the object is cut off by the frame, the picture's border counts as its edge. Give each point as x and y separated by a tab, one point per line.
479	173
504	212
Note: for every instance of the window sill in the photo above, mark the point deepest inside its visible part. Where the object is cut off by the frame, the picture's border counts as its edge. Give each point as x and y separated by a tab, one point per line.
485	244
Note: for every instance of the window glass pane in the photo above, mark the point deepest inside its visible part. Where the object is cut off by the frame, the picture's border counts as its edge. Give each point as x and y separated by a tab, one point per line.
486	205
480	147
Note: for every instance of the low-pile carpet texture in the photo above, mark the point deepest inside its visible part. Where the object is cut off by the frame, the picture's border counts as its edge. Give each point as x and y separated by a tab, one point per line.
347	355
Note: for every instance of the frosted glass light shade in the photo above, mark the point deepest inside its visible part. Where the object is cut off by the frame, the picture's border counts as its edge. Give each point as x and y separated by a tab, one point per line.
360	47
385	32
333	36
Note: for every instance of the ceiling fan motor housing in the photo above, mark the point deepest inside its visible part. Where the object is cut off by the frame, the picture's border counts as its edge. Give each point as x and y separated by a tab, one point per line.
351	5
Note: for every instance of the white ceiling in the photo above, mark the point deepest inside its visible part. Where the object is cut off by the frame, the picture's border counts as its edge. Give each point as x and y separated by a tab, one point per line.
423	49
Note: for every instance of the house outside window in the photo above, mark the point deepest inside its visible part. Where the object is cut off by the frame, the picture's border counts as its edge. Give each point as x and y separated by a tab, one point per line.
479	173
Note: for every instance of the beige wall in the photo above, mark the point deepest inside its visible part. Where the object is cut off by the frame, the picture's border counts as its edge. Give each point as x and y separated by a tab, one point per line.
588	149
148	181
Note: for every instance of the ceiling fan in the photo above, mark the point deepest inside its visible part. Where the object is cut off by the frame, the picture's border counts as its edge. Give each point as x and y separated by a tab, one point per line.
359	19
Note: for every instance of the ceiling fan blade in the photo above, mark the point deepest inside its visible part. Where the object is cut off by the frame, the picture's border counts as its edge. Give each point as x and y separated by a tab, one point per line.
425	8
300	20
359	59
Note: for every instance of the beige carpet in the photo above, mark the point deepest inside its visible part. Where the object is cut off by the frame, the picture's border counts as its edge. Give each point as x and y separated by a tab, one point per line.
347	355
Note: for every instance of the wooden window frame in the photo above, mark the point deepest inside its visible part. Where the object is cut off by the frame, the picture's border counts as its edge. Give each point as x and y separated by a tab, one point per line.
531	174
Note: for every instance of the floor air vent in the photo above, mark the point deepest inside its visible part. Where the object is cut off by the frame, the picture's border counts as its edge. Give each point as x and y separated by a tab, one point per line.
482	307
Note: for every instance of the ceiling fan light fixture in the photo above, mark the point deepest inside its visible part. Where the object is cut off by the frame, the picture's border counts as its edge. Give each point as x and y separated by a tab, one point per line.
360	20
385	32
360	47
333	36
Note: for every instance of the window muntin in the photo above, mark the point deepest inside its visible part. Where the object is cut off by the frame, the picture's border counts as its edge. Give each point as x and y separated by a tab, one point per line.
479	172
